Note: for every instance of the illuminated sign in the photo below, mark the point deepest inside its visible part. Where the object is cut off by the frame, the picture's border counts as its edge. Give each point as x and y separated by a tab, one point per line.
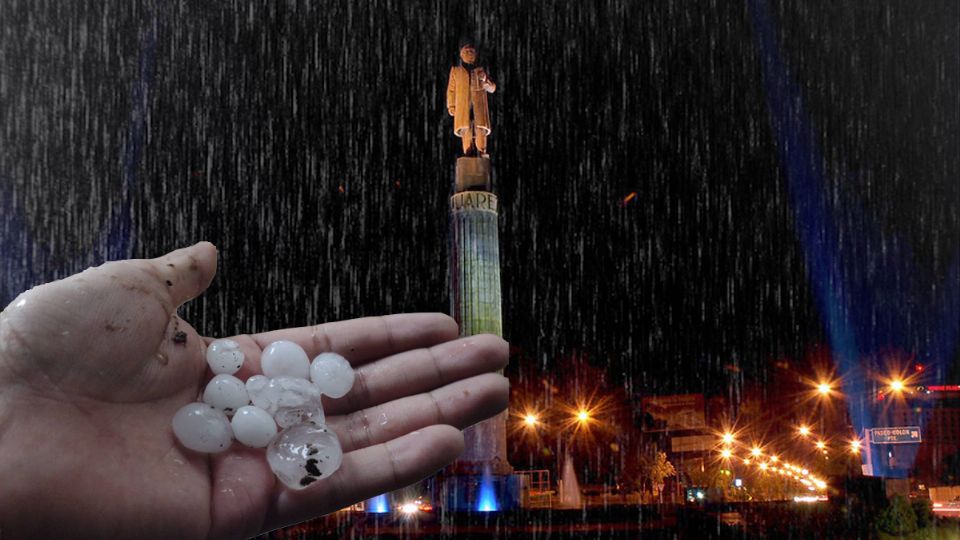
895	435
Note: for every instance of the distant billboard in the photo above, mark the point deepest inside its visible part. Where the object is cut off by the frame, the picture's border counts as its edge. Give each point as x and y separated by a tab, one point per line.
692	443
676	412
895	435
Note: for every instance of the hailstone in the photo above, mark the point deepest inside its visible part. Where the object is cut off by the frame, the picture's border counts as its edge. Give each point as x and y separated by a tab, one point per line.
253	426
291	416
203	428
285	359
332	374
224	356
226	393
301	454
283	393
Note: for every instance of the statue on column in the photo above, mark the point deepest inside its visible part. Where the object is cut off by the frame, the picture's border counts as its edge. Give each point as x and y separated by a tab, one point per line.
467	92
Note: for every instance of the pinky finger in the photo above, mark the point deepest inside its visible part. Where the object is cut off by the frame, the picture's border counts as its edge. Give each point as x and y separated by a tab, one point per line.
368	472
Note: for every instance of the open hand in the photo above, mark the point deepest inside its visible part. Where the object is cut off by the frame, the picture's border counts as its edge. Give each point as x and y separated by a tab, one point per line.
93	368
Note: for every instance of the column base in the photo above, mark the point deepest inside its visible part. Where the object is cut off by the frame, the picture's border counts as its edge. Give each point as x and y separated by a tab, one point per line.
473	174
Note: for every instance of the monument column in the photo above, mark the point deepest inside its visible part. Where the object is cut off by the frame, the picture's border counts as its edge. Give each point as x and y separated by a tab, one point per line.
482	479
475	294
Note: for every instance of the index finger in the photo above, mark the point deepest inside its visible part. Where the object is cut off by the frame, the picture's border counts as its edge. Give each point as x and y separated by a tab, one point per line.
369	338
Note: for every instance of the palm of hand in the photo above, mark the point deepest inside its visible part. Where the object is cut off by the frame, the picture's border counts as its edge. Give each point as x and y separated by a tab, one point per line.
93	368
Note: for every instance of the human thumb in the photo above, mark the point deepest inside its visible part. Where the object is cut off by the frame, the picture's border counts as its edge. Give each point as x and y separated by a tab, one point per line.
186	272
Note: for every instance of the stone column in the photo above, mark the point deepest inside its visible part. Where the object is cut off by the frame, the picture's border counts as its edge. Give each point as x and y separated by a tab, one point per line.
475	296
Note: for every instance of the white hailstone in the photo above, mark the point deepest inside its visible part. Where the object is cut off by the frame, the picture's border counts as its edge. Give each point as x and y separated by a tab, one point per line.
303	453
224	356
332	374
253	426
283	393
291	416
256	384
285	359
202	427
226	393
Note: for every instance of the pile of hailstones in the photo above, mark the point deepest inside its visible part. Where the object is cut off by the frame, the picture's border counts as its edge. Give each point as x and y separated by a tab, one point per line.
286	395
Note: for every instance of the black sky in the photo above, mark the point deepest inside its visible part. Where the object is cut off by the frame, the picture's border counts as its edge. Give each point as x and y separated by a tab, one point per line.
310	142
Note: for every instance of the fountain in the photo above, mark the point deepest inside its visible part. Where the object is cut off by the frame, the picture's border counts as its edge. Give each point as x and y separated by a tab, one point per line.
487	500
569	486
379	504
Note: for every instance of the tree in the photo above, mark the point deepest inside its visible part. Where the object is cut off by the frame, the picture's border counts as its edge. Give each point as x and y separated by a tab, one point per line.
923	508
657	468
898	518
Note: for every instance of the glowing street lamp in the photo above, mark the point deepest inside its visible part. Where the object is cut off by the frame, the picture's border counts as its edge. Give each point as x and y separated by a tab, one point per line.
726	453
755	452
896	386
583	415
531	420
804	431
855	446
728	438
824	388
773	459
821	445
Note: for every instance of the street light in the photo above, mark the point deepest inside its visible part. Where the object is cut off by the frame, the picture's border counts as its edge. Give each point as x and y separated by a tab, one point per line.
728	438
531	420
896	386
824	388
583	415
804	431
725	453
855	446
821	445
755	452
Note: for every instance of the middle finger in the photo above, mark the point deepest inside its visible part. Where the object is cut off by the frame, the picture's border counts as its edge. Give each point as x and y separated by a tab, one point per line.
459	404
421	370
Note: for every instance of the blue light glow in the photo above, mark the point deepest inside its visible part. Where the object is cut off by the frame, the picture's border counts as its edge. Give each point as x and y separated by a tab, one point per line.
902	307
487	501
378	504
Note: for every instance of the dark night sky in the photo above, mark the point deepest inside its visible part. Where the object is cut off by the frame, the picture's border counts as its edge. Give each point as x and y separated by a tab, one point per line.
255	117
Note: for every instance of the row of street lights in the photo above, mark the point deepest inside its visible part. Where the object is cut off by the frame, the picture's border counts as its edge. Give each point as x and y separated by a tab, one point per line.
773	464
532	419
853	445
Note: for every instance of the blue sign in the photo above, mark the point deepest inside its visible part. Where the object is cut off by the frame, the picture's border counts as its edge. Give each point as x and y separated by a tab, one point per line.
895	435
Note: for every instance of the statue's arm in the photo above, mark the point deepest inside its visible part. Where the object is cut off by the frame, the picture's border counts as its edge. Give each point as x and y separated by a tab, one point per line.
451	94
488	84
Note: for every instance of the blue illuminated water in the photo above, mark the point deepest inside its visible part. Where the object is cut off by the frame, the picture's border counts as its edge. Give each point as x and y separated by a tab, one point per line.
378	505
487	501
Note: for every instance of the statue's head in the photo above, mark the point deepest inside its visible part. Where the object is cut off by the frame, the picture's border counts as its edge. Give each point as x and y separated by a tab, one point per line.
468	51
